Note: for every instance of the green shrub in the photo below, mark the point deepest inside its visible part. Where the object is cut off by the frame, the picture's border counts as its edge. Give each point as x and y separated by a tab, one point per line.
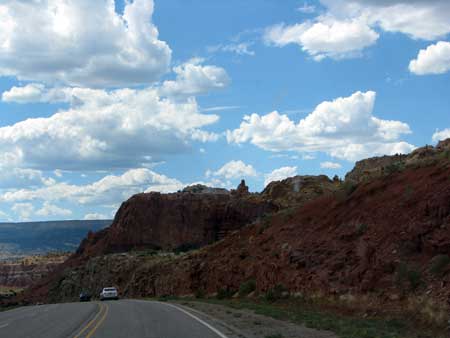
164	298
287	214
409	192
266	222
394	168
247	287
276	293
405	274
445	155
349	187
225	293
200	293
361	228
185	248
439	264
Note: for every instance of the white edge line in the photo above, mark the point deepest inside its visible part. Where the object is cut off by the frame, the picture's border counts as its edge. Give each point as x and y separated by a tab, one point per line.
220	334
3	325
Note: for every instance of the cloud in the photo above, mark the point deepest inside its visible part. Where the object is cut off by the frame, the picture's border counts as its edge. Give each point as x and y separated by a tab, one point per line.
111	189
219	108
81	43
441	135
100	128
325	37
435	59
234	170
280	174
346	27
11	177
330	165
239	48
419	19
193	78
58	173
93	216
30	93
23	210
52	210
344	128
306	8
39	93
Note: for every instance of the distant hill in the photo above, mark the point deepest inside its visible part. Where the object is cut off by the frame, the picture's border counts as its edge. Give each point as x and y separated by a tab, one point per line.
19	239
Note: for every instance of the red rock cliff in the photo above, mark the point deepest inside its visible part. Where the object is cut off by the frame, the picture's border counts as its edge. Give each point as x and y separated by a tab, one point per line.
195	217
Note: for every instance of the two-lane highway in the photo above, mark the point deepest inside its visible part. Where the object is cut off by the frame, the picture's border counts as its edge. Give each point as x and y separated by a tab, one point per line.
113	319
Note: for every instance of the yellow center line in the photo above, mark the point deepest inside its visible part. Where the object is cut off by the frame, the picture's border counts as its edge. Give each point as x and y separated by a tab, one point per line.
105	313
101	307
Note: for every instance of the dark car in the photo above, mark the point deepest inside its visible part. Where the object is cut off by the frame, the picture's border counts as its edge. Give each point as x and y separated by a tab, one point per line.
85	297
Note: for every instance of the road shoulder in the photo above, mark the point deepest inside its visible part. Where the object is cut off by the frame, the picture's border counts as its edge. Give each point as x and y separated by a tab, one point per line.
246	324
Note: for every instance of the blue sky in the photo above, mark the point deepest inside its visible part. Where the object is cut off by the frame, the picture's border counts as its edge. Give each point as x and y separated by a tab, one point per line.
101	100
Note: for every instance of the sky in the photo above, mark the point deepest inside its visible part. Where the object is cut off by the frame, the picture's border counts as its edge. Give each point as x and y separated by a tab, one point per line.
100	100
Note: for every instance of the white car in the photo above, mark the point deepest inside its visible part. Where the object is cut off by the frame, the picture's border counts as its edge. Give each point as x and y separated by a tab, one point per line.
109	293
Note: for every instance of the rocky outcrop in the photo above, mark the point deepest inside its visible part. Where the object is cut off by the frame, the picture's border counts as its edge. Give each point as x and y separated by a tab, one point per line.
192	218
298	190
372	168
197	215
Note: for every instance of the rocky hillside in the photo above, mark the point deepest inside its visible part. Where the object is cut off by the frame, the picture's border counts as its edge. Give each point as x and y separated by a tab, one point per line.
384	237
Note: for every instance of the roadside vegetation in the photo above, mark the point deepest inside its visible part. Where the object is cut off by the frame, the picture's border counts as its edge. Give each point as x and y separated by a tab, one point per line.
343	323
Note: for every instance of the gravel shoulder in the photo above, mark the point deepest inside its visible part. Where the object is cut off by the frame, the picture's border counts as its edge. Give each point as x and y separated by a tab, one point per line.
247	324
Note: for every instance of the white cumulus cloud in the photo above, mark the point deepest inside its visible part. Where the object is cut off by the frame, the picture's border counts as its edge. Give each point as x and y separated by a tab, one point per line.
441	135
280	174
23	210
326	37
344	128
100	128
234	170
435	59
111	189
49	209
419	19
81	42
346	27
30	93
194	78
330	165
95	215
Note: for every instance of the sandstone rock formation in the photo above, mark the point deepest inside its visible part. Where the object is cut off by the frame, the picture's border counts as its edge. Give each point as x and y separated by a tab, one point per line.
374	167
192	218
371	168
298	190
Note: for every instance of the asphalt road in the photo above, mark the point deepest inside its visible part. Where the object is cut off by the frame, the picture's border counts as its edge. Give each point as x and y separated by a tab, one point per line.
112	319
